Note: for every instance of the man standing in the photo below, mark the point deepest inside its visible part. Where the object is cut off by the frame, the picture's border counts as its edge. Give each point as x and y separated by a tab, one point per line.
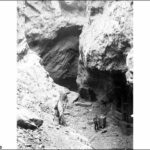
96	125
102	122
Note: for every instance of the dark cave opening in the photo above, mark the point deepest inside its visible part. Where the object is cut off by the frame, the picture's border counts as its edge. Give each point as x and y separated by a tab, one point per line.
123	94
84	93
87	94
92	95
68	82
114	86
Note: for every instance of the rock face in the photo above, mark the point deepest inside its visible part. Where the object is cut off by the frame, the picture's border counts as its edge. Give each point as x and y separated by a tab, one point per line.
72	97
129	73
60	42
43	31
37	96
100	58
52	30
106	41
105	62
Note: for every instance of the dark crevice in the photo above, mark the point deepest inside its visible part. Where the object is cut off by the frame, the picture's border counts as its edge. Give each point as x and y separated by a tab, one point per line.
92	95
114	87
60	57
61	34
84	93
123	95
69	82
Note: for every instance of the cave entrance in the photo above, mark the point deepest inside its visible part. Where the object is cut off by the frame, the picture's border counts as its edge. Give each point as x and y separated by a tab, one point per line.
69	82
87	94
123	95
92	95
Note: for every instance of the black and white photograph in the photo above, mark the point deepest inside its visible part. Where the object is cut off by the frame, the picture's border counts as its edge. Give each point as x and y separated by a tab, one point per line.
74	74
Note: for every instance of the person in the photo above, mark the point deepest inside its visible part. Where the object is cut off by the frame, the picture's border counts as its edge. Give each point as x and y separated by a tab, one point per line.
102	122
96	124
99	123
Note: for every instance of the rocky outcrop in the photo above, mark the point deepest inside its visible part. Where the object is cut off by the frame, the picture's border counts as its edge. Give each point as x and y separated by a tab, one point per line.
62	60
106	41
105	62
37	96
129	73
72	97
20	21
52	30
22	49
28	120
22	46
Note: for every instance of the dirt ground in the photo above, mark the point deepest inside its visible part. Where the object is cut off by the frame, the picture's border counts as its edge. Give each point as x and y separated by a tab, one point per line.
81	118
78	134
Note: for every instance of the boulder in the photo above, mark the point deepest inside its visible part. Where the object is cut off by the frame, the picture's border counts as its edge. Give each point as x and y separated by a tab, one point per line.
105	43
72	97
28	120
